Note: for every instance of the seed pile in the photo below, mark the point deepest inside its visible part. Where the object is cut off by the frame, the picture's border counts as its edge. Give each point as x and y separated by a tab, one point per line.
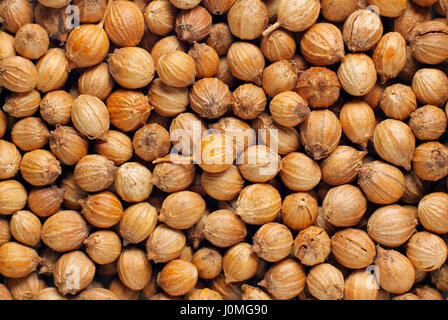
223	149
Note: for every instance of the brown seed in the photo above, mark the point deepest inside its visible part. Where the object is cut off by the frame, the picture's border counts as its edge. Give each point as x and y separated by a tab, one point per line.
52	70
426	251
18	74
430	161
285	279
128	109
322	44
68	238
258	204
429	86
353	248
223	228
344	206
178	277
357	74
320	133
319	86
194	24
90	117
96	81
173	173
248	101
229	291
432	212
439	278
103	246
239	263
133	182
97	294
25	288
122	292
13	197
131	67
389	9
17	261
124	23
299	210
299	172
360	285
39	167
160	17
102	210
428	122
428	42
117	148
205	294
337	10
288	109
137	223
278	45
218	7
279	77
220	37
241	132
398	101
272	242
68	145
10	159
55	107
134	269
394	142
30	133
428	293
224	74
167	101
208	261
73	272
382	183
31	41
181	210
396	273
390	56
166	46
94	173
90	11
15	14
165	244
342	165
312	246
25	228
296	15
325	282
21	105
392	225
210	98
247	19
246	62
206	59
216	153
185	131
90	36
258	164
413	15
362	30
373	98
